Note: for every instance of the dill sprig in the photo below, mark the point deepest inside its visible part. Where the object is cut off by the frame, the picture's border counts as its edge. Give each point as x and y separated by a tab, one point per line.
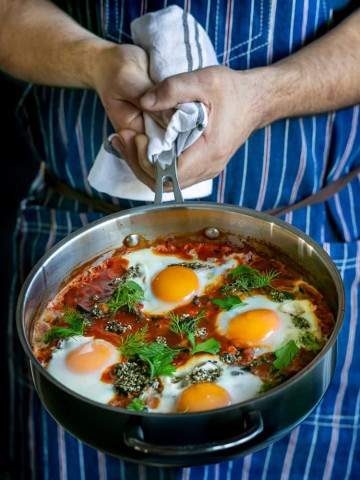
244	278
157	355
133	342
127	294
76	325
183	325
186	327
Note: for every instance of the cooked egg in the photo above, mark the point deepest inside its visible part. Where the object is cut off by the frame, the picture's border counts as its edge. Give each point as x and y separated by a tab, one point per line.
202	396
78	364
264	324
252	328
222	385
183	280
168	282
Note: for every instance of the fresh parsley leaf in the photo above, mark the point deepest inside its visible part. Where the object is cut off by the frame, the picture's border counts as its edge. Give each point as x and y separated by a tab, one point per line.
228	303
285	355
244	278
127	294
75	322
136	405
310	342
208	346
300	322
280	296
159	357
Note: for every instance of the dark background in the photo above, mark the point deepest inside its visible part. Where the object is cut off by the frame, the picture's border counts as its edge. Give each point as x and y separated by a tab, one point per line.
17	171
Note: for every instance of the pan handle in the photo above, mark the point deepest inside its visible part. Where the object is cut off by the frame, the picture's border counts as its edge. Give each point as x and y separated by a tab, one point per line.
168	173
134	438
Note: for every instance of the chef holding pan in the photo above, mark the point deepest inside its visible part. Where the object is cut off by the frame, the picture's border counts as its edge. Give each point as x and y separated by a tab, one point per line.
282	133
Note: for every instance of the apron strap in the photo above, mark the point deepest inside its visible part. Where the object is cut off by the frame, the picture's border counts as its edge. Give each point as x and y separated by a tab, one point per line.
94	204
319	197
105	207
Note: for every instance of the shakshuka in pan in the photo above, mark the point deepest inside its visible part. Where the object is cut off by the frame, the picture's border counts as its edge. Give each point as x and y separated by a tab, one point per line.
181	324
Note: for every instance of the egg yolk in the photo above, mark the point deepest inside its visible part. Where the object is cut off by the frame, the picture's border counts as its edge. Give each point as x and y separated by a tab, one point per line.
252	328
202	396
175	283
89	356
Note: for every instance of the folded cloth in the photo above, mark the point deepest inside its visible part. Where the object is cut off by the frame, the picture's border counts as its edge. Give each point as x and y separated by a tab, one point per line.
175	43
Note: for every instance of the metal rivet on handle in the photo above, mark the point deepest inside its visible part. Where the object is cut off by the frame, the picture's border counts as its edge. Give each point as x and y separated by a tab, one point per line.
212	232
132	240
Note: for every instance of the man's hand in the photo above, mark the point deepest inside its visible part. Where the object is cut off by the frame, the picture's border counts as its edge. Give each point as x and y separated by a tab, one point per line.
323	76
234	103
120	79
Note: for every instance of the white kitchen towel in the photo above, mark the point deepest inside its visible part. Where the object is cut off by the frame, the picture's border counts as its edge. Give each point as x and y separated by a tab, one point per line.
175	43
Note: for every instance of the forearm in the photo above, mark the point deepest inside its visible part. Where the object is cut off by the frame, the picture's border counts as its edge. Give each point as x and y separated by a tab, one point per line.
40	43
320	77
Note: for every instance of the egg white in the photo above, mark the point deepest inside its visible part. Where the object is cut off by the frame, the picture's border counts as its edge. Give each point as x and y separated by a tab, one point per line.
287	330
240	384
87	384
151	264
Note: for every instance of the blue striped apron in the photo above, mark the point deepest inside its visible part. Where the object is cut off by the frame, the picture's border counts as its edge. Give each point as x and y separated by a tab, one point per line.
278	165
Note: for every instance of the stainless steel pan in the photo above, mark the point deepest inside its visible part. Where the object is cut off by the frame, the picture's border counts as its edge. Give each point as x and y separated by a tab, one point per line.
195	438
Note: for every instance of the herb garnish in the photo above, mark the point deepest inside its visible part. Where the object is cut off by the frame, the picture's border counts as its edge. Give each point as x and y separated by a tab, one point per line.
310	342
133	342
187	327
280	296
300	322
130	377
208	346
127	294
227	303
184	324
285	355
192	265
266	386
158	356
136	405
76	325
244	278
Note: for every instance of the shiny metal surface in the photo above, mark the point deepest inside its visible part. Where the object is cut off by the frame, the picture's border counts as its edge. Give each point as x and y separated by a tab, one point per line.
212	232
132	240
163	174
166	174
301	393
